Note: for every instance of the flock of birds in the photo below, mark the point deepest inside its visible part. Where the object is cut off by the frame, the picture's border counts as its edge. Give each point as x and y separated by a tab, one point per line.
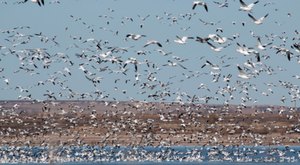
101	62
230	66
140	71
187	155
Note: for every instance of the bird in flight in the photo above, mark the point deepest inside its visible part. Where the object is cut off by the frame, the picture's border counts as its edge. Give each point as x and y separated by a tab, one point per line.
153	42
242	74
135	36
246	7
182	40
39	2
196	3
259	20
260	45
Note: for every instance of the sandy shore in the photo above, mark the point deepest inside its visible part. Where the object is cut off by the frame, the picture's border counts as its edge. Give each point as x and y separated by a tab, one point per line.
139	123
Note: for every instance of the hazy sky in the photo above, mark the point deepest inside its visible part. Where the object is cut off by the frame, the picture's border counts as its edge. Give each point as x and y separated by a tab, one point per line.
78	26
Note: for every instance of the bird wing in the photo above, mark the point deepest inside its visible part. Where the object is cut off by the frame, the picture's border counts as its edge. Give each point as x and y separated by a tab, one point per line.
209	62
266	15
178	37
205	7
254	19
211	45
128	35
289	55
243	3
148	43
257	57
258	39
240	69
159	44
182	66
194	6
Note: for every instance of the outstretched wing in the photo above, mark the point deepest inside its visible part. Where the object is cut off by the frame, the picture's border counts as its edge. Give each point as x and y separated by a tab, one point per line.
254	19
242	3
205	7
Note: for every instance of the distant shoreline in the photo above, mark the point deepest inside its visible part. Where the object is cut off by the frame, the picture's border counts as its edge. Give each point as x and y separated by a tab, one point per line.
141	101
145	124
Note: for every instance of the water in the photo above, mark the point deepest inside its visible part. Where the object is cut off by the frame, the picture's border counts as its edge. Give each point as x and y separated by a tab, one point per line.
208	155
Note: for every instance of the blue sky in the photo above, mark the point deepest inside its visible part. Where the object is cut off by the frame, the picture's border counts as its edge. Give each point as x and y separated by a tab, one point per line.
110	21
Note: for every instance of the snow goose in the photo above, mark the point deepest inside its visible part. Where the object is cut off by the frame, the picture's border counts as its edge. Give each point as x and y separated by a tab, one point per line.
201	3
245	7
259	20
39	2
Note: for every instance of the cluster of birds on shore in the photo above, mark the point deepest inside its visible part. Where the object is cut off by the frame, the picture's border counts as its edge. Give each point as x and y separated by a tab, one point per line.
146	68
86	131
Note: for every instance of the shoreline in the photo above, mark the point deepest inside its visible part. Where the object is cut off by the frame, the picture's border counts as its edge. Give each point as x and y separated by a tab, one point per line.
146	124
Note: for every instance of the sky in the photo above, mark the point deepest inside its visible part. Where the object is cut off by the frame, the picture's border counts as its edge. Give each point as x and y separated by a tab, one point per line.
40	43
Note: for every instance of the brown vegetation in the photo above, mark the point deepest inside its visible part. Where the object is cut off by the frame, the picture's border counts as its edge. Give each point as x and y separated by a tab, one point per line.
136	123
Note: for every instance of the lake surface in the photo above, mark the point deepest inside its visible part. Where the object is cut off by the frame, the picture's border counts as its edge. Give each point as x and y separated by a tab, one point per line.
151	155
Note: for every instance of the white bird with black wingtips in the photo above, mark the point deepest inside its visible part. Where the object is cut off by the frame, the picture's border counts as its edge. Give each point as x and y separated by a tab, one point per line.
182	40
260	45
135	36
200	3
242	74
259	20
245	7
39	2
153	42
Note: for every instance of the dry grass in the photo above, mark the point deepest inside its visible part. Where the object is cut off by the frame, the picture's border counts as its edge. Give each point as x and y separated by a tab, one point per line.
128	124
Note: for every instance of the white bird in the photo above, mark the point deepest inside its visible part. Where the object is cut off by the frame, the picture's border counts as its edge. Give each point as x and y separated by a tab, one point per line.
257	21
246	7
163	52
260	45
217	38
249	64
6	81
244	50
39	2
182	40
296	47
174	64
201	3
242	74
283	51
135	36
153	42
81	67
227	78
67	70
22	89
214	48
213	66
224	4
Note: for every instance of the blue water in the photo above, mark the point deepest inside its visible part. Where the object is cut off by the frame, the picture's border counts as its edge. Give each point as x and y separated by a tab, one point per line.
208	155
